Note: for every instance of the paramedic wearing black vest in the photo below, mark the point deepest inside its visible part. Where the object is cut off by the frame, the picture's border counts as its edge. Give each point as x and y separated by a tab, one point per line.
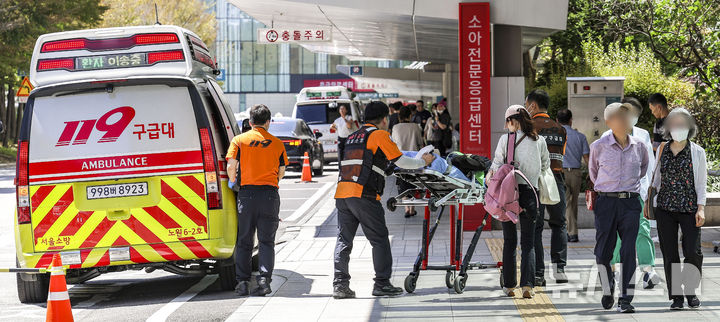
556	137
368	152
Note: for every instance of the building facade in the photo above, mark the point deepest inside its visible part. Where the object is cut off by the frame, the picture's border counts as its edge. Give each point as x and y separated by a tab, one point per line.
271	74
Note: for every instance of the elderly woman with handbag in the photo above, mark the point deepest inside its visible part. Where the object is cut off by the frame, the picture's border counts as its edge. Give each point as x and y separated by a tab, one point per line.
678	187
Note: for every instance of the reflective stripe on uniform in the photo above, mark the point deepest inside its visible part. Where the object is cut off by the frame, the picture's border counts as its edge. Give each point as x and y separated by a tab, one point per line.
360	162
556	156
379	171
58	296
352	162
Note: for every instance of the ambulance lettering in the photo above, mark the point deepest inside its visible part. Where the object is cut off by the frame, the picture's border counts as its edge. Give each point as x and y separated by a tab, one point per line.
114	163
112	130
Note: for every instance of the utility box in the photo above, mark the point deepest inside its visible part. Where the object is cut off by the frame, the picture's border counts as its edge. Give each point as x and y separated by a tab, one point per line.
587	99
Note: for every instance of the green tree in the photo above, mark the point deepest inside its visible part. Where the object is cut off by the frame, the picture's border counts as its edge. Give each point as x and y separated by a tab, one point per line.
21	22
194	15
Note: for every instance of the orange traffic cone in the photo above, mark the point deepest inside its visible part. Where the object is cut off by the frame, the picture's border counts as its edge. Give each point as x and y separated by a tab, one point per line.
58	304
306	170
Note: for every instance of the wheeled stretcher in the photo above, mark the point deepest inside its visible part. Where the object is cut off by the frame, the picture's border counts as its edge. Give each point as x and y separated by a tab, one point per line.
440	190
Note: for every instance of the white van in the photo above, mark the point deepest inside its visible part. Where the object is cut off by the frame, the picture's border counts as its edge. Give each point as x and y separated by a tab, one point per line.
121	158
320	107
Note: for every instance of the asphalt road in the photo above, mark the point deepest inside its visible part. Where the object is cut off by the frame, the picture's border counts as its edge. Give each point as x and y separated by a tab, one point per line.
140	296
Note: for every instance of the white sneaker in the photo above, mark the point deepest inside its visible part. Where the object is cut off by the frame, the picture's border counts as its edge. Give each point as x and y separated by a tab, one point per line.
650	279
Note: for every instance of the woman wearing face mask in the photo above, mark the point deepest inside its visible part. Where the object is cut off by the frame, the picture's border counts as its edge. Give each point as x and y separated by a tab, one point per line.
531	157
680	178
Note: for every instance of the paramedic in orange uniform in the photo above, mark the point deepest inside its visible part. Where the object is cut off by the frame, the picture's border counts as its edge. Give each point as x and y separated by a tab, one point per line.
262	159
368	152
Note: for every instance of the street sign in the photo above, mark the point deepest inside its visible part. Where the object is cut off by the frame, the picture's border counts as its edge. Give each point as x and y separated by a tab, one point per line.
24	91
297	34
221	76
356	70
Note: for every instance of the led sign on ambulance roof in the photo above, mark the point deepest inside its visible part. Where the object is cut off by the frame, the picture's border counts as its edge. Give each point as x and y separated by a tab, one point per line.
119	53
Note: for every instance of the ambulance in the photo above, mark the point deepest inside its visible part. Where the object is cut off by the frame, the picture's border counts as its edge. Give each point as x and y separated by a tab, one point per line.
120	161
320	107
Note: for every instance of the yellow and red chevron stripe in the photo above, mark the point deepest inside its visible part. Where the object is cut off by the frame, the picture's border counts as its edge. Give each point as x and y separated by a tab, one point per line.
179	218
149	253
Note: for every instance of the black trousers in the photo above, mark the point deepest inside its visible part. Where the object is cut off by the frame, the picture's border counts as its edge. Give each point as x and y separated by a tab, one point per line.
527	242
613	217
341	148
369	213
258	210
689	276
558	231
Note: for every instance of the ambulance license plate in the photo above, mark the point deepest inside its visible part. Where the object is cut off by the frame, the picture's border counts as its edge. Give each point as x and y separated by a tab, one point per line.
117	190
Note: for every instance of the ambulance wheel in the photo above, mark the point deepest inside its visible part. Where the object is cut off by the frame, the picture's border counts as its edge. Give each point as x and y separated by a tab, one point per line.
226	274
391	204
450	279
410	282
460	284
32	288
431	204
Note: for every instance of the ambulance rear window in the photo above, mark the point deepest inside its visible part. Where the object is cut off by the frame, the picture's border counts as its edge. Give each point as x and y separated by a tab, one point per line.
95	133
317	113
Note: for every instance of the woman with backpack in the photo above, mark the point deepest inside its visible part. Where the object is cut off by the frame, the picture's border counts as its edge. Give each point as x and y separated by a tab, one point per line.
529	155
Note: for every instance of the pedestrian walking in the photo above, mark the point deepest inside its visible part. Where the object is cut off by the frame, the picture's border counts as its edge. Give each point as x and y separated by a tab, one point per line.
394	116
617	164
644	245
260	159
360	184
680	178
537	103
421	114
408	137
441	129
659	108
577	150
344	125
531	157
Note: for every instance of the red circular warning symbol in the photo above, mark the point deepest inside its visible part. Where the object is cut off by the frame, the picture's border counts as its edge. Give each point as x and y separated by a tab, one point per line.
271	35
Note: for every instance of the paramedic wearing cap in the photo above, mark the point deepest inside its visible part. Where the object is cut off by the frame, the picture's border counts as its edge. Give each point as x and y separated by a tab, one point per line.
262	161
368	152
617	164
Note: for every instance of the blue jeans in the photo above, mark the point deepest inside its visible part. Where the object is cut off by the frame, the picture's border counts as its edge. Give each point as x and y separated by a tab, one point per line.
558	235
527	247
616	217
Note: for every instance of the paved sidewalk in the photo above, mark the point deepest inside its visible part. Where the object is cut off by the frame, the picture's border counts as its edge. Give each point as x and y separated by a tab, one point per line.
303	281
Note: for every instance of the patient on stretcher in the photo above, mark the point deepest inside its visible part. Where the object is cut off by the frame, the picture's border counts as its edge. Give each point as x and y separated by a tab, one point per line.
462	165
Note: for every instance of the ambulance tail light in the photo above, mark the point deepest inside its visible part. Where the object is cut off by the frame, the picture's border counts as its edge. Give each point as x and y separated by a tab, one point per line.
111	43
22	184
50	64
163	56
212	185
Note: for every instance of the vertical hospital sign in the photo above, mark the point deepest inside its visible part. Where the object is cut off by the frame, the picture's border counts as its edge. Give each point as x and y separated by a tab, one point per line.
474	63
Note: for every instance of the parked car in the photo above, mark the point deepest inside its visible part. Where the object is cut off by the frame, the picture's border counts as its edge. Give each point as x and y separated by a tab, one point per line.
298	139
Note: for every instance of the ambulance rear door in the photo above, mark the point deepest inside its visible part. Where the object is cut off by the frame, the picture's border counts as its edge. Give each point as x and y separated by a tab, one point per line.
120	164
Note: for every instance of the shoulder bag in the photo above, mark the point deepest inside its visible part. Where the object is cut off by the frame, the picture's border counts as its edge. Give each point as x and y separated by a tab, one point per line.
649	208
